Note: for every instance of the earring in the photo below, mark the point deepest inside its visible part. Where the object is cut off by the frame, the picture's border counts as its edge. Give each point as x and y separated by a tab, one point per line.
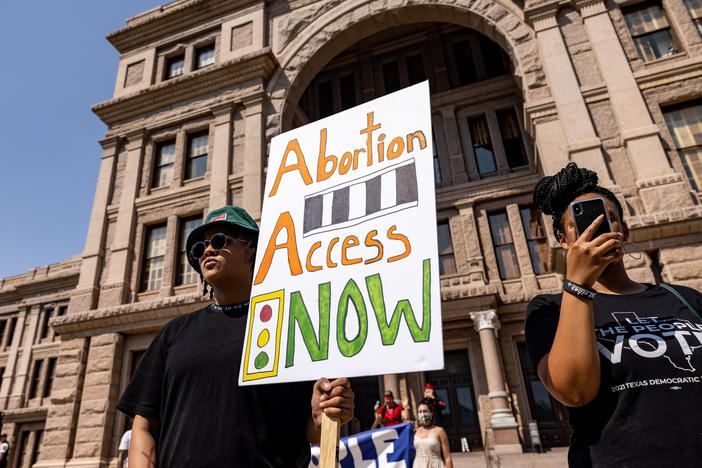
629	253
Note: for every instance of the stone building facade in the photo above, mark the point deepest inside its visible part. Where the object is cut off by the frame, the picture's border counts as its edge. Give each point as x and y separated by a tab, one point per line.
518	89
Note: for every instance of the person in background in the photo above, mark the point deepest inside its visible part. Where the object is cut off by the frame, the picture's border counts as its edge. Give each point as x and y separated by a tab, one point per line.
4	450
122	457
188	407
390	412
437	405
624	356
430	441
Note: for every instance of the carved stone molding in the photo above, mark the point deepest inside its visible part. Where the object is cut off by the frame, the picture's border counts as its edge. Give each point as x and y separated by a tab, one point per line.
259	64
485	319
590	7
543	17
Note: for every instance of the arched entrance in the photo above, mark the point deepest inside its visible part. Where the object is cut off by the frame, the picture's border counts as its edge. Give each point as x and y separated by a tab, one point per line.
481	68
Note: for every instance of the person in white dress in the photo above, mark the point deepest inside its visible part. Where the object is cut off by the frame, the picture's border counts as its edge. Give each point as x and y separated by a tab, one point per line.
430	441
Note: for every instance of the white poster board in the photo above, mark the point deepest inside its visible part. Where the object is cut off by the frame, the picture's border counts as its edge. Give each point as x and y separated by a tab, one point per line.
346	279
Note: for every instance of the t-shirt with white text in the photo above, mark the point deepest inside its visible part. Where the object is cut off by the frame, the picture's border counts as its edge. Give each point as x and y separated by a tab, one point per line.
647	412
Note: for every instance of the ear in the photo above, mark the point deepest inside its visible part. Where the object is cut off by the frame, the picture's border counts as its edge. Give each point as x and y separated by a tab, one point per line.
625	230
563	240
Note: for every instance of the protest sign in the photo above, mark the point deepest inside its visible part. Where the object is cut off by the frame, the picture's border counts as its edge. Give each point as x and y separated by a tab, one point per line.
346	278
389	447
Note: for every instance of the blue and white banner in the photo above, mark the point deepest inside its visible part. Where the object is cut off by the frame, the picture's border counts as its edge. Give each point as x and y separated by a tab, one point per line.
388	447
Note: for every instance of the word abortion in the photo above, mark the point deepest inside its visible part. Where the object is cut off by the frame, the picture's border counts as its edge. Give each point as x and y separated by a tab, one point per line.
349	159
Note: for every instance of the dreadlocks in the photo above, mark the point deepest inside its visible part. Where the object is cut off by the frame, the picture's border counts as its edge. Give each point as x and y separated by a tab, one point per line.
553	194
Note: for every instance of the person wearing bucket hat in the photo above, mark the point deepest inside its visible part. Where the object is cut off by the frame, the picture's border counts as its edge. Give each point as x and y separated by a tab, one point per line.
188	408
236	223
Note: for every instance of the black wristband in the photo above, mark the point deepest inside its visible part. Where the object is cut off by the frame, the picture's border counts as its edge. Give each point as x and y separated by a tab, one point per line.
579	290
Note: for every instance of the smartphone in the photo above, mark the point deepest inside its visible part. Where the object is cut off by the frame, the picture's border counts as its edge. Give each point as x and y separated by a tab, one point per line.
584	212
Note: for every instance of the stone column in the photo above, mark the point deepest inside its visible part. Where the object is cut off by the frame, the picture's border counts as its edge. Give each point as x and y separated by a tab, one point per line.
62	418
583	145
116	291
25	365
552	145
473	256
457	166
391	382
659	187
85	296
100	394
12	357
502	421
170	263
221	156
253	159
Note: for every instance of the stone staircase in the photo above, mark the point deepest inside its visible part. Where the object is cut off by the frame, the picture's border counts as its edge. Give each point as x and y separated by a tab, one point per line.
554	458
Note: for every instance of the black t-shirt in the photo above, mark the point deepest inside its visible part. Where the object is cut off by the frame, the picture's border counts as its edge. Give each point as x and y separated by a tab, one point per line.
648	412
188	381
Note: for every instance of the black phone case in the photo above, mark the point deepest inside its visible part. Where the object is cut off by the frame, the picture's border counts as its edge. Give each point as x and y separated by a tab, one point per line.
584	212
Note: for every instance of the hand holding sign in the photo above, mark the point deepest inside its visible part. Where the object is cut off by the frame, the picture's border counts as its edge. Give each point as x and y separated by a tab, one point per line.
333	398
332	405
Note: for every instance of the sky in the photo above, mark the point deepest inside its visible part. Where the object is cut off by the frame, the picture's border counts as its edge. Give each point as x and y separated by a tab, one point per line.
56	64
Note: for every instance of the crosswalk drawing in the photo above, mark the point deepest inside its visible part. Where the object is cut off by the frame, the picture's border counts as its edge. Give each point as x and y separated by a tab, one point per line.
386	191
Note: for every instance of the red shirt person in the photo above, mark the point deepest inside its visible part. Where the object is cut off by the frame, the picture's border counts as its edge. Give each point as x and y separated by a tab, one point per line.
391	412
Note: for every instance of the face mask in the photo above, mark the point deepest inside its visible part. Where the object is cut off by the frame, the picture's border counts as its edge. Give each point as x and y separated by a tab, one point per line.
423	418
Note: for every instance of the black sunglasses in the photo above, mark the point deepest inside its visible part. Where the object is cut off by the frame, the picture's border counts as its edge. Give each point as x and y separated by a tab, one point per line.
217	241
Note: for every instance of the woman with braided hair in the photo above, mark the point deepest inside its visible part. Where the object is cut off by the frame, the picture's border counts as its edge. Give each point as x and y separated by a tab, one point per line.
624	356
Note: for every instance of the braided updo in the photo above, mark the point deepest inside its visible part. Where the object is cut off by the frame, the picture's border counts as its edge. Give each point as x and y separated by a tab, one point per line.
553	194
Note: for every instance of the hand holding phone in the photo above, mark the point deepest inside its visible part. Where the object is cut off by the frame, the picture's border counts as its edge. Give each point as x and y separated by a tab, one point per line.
584	212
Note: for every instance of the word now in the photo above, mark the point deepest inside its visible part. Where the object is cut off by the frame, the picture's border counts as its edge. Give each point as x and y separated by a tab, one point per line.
317	344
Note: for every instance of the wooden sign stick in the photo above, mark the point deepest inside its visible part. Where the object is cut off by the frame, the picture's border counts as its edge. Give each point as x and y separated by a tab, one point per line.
329	442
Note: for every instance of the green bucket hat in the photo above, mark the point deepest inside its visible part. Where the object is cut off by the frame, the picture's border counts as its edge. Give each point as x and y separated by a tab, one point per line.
228	215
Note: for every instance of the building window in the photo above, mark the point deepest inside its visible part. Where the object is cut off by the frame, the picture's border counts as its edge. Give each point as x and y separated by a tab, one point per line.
11	331
511	138
391	77
204	56
163	167
348	91
50	375
186	274
447	262
137	356
536	239
650	31
504	245
482	145
38	443
152	271
175	66
695	9
196	164
44	330
3	326
24	448
35	382
495	60
465	66
326	99
685	124
62	310
415	69
437	164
